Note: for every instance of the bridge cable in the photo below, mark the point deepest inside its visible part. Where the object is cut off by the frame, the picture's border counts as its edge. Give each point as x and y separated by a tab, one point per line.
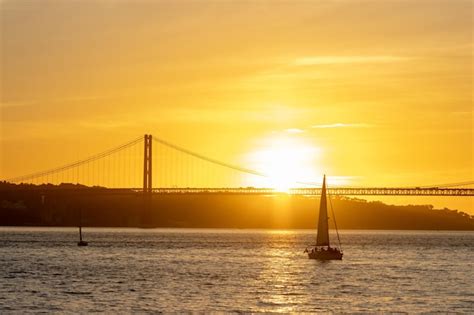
224	164
77	163
210	160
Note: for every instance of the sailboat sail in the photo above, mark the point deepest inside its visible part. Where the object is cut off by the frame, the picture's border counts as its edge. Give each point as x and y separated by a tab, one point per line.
323	229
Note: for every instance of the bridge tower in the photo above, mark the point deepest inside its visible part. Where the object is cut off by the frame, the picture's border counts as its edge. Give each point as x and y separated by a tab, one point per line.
147	165
147	183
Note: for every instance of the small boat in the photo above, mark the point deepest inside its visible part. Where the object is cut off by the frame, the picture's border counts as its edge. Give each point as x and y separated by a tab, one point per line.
322	250
81	242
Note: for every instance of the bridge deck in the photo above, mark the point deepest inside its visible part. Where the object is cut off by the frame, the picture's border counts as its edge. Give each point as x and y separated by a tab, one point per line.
347	191
343	191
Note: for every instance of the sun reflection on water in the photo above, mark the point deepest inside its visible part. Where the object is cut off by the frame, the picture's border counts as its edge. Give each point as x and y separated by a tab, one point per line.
278	281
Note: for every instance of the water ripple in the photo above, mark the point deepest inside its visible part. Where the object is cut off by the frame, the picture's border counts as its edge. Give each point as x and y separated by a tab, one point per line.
42	270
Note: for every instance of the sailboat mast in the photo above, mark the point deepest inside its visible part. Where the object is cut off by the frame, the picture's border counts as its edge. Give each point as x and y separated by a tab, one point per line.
323	227
80	224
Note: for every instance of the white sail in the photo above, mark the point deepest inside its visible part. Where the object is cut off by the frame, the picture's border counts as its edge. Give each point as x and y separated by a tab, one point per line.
323	228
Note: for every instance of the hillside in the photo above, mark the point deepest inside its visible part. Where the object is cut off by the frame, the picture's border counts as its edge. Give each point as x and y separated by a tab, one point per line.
48	207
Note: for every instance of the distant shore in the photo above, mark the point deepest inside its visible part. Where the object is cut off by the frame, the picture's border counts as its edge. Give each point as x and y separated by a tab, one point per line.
205	229
50	208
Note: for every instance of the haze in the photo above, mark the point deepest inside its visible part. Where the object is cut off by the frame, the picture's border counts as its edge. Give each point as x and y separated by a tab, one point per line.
375	93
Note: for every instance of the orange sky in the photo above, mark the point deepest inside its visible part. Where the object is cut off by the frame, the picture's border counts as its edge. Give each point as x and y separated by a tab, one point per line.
381	90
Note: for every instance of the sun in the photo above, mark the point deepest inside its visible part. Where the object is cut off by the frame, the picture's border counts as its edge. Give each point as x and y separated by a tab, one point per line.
287	163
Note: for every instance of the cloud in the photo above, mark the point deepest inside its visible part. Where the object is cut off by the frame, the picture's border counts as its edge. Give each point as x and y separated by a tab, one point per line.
106	124
16	104
462	113
294	130
329	60
342	125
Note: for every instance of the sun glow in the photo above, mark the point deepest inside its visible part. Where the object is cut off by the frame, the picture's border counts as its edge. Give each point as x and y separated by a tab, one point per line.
287	162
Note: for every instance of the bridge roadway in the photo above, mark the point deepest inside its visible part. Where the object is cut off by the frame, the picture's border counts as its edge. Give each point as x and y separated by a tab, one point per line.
345	191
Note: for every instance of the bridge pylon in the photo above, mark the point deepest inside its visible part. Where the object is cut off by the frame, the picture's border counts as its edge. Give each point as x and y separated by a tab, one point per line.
147	165
147	182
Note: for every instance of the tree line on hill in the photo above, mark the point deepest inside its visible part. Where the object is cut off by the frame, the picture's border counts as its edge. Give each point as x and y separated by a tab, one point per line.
63	205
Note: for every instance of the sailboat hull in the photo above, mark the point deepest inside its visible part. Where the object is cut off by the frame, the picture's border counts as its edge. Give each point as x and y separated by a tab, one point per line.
325	255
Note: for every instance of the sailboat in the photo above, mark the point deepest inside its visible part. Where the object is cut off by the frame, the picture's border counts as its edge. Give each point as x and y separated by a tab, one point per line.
322	250
81	242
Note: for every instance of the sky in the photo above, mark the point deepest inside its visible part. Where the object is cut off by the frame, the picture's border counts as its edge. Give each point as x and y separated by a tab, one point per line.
375	93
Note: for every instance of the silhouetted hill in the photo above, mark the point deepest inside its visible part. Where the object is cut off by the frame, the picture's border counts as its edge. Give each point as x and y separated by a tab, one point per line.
49	205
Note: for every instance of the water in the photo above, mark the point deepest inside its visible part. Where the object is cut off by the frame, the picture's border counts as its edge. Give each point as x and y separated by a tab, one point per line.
132	270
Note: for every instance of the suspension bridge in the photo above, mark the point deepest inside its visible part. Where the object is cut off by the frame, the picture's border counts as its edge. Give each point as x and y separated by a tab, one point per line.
150	165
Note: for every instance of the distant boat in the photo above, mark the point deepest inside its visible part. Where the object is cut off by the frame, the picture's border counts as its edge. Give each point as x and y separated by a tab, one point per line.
322	250
81	242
